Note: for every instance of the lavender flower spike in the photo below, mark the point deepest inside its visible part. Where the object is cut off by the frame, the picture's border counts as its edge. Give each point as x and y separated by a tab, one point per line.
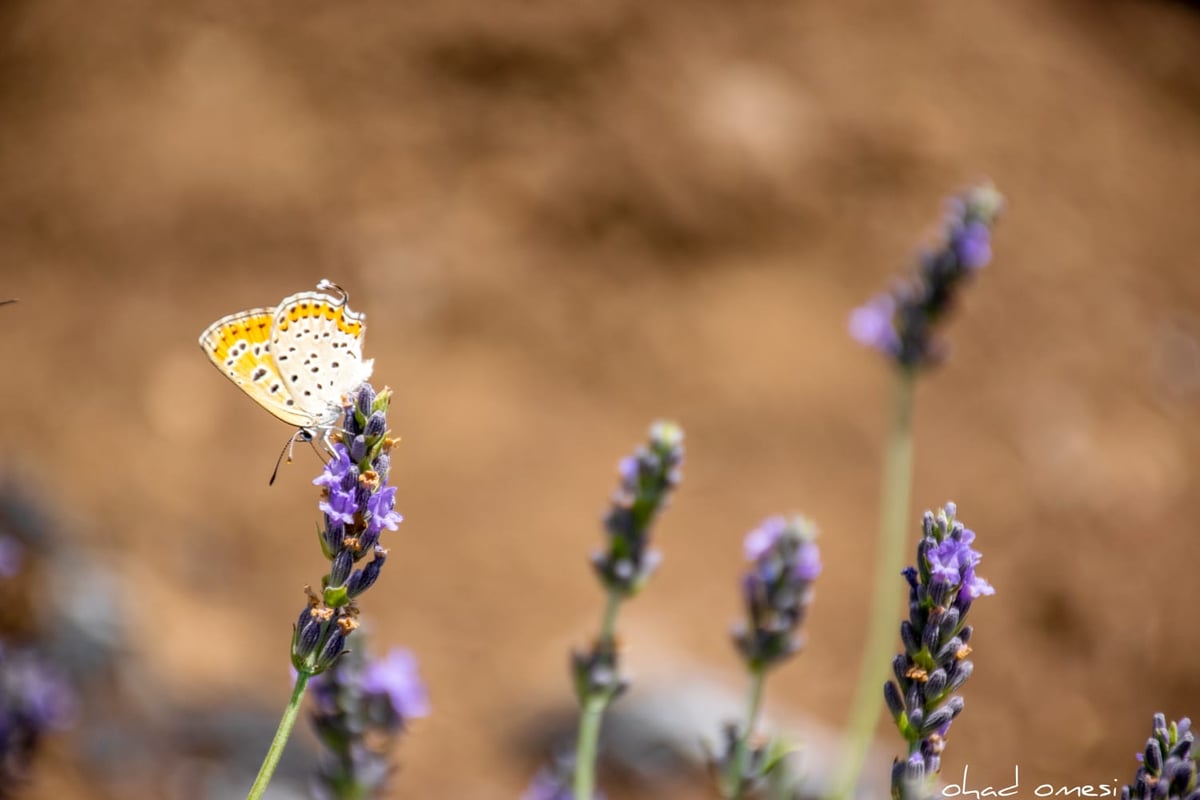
901	323
776	589
358	505
647	479
934	665
1168	770
360	706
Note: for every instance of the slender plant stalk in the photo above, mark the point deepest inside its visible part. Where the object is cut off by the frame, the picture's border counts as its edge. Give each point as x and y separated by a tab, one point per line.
593	712
733	779
889	561
281	736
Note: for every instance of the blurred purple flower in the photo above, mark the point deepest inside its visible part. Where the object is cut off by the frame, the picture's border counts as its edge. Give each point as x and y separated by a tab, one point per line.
35	699
871	324
776	589
395	676
360	706
902	323
11	556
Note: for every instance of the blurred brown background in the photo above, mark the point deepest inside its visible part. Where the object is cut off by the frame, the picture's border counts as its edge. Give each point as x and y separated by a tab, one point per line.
564	220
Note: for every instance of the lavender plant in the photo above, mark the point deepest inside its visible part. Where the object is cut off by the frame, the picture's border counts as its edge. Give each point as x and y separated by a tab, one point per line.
776	591
36	698
360	707
903	324
933	667
34	701
1168	765
647	479
357	504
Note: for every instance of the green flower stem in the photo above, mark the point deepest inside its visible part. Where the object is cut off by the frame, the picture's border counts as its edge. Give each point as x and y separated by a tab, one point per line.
732	790
889	562
281	736
593	711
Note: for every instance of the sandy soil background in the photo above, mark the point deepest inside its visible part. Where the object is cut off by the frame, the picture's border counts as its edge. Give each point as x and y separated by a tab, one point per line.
564	220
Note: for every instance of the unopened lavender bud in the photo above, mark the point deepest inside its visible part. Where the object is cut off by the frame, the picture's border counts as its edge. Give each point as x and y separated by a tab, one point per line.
895	703
1153	758
936	683
949	623
308	635
908	636
365	578
1182	750
367	542
376	426
334	646
343	563
961	673
365	400
949	650
929	638
900	668
936	720
358	448
332	537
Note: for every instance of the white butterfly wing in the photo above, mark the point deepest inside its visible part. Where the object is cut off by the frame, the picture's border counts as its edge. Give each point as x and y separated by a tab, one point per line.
316	341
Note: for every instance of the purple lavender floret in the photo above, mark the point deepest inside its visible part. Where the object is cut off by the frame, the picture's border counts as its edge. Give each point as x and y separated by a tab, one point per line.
1168	764
357	504
776	589
360	707
901	324
922	697
395	678
872	324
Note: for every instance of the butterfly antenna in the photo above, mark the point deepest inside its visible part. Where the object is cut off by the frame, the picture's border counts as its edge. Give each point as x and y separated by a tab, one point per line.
6	302
303	434
326	285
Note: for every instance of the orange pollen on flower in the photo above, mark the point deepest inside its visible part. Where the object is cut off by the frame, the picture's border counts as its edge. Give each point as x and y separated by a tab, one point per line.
389	442
937	743
324	613
369	479
917	674
347	625
351	543
313	599
962	652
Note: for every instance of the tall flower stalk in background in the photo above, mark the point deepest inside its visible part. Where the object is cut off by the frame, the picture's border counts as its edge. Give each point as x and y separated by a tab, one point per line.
921	696
647	479
358	504
902	325
776	591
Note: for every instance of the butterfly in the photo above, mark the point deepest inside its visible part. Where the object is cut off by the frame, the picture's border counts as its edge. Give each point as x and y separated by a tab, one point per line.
297	360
